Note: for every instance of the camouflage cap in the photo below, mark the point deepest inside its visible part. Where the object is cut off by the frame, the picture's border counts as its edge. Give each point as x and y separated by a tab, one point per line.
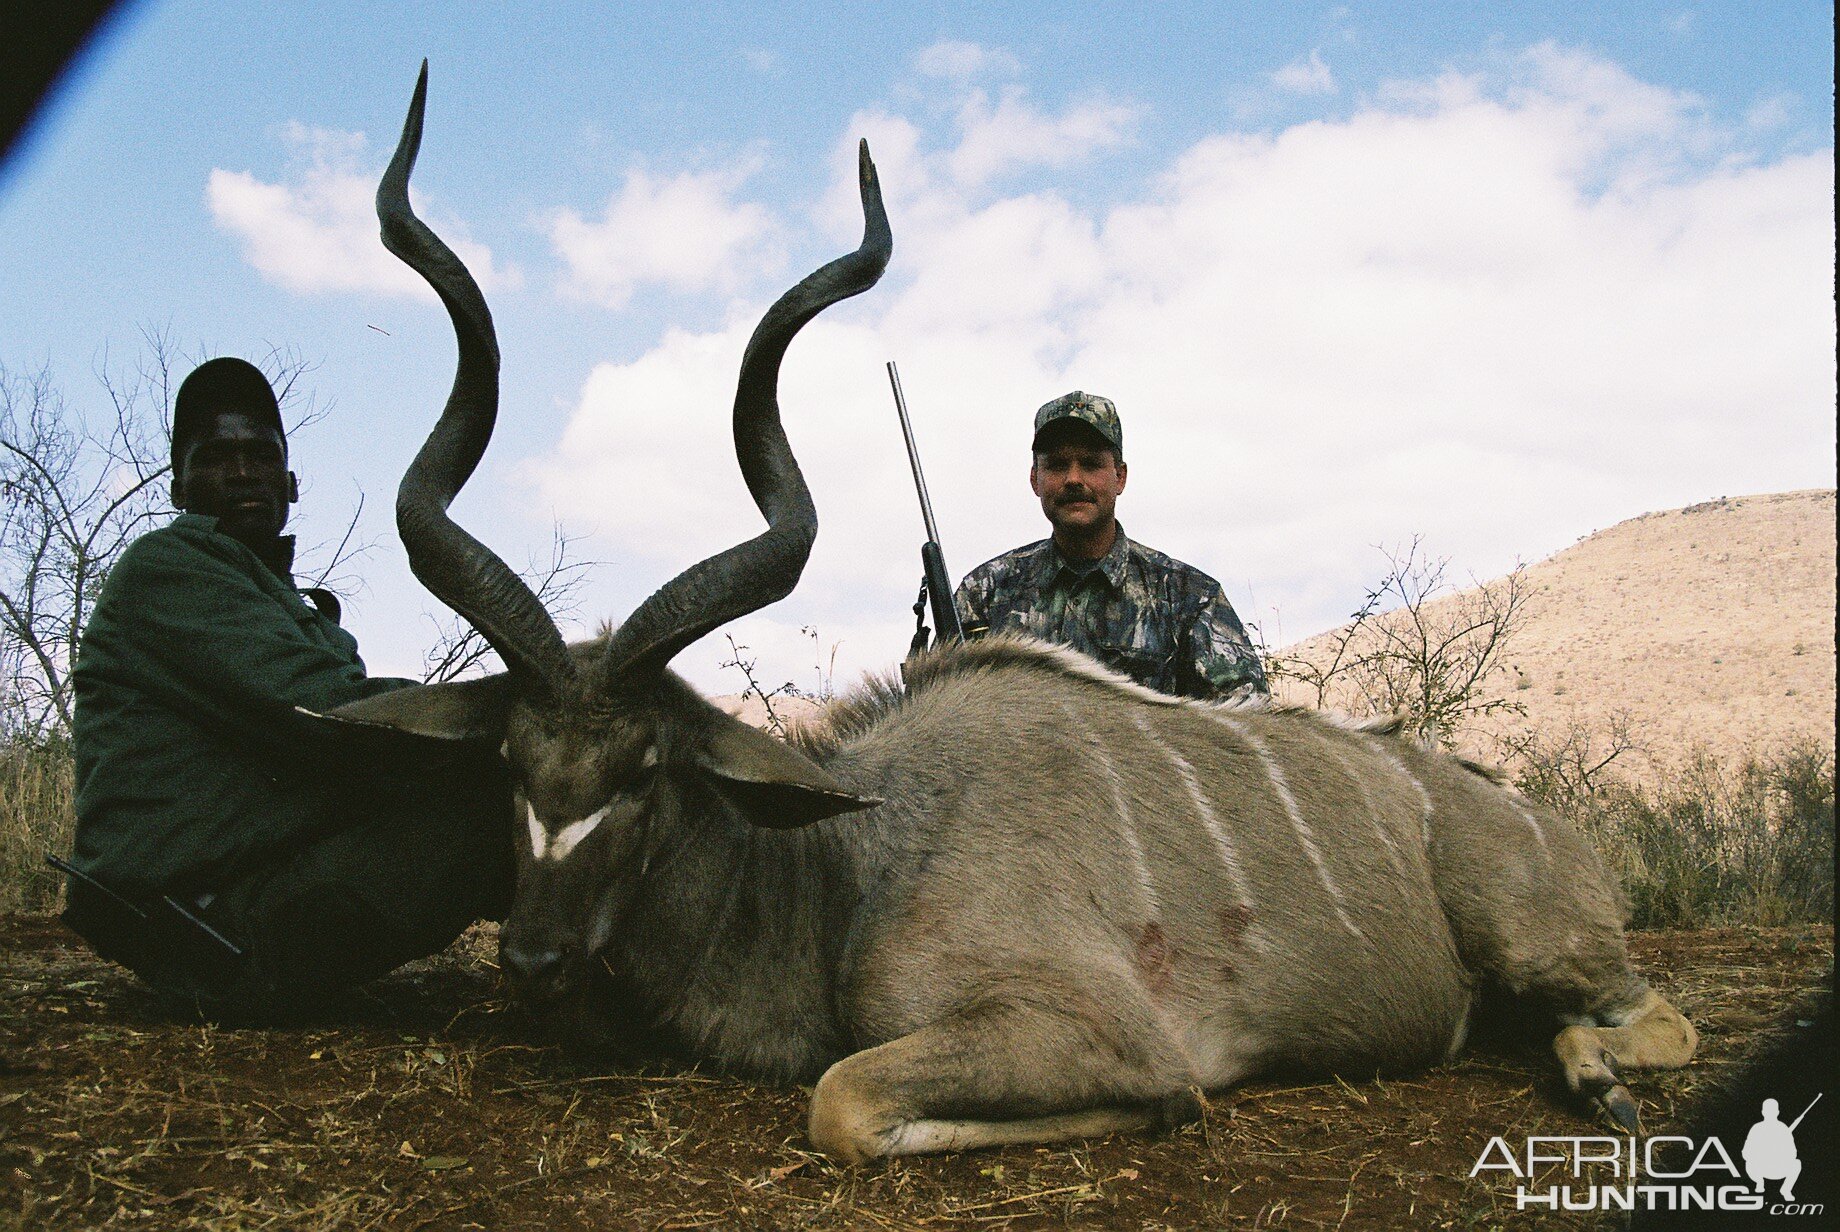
1090	409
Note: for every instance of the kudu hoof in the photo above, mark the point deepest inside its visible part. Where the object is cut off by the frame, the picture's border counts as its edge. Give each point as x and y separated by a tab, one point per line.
1607	1088
1621	1105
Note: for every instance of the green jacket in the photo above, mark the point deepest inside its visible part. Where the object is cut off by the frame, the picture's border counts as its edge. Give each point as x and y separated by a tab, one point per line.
191	766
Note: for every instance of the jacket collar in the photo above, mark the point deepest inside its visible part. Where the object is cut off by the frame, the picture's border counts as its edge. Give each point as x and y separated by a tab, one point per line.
279	559
1050	564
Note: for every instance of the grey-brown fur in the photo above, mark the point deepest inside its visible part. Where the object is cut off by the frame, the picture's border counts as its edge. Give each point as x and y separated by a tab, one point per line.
998	878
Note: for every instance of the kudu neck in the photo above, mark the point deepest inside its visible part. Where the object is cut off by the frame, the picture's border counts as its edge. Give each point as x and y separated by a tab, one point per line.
730	915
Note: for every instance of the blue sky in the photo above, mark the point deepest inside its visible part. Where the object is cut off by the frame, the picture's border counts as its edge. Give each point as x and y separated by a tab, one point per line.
1497	275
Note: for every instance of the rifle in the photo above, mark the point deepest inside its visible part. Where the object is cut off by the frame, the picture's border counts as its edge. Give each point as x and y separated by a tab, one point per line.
116	924
935	582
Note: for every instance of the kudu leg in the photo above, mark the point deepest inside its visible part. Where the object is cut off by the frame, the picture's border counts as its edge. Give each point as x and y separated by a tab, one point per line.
992	1077
1654	1036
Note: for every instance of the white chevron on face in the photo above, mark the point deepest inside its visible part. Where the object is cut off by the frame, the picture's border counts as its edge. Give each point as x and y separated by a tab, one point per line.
547	846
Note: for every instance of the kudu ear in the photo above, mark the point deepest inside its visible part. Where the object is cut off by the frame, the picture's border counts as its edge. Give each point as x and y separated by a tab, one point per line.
469	710
774	784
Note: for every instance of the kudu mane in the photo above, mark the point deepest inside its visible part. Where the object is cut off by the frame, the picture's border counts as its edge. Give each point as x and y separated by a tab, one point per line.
882	695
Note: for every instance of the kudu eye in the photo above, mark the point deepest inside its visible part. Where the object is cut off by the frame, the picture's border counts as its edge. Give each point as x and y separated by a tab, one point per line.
641	781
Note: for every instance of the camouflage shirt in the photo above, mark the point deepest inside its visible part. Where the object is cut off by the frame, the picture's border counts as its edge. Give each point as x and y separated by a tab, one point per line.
1163	623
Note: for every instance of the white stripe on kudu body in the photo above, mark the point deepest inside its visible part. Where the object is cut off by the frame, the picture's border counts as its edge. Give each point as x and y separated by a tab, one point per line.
1210	821
1424	797
557	846
1370	810
1121	808
1533	823
1305	836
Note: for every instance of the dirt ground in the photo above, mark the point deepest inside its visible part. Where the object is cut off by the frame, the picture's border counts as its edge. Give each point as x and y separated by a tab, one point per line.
428	1104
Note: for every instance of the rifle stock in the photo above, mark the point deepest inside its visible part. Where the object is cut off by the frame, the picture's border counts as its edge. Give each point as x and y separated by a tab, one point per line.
939	592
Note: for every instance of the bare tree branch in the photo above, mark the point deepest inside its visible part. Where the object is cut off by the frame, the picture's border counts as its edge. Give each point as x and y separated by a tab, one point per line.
1565	769
1416	644
458	648
348	551
742	659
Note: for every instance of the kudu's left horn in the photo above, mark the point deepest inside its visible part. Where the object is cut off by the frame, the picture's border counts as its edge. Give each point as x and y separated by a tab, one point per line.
459	570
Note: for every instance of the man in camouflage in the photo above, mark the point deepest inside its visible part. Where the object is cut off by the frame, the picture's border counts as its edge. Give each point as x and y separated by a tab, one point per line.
1163	623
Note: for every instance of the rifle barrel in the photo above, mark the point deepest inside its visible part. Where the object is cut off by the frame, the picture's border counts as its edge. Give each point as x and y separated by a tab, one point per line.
913	454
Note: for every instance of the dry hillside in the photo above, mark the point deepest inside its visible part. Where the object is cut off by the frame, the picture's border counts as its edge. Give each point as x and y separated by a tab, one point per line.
1711	626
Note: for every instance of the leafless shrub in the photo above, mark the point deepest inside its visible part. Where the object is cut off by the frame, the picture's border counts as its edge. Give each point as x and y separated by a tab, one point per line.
1573	764
741	658
1417	645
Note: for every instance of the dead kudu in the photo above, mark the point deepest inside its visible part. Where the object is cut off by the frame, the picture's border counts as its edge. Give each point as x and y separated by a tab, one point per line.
1061	904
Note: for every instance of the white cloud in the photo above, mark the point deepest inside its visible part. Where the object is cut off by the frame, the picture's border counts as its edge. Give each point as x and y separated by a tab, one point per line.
1770	113
684	232
1010	134
1305	75
960	61
1496	310
316	230
761	59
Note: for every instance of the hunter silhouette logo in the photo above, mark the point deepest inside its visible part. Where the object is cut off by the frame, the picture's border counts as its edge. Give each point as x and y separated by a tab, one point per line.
1769	1149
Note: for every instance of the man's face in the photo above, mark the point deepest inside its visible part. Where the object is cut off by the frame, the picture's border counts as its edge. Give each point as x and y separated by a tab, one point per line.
236	471
1078	479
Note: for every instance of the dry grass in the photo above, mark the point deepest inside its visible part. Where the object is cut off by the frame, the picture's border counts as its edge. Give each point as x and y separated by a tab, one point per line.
428	1103
1751	843
37	814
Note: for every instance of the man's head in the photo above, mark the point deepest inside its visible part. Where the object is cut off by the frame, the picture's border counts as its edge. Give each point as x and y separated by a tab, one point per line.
1079	468
229	453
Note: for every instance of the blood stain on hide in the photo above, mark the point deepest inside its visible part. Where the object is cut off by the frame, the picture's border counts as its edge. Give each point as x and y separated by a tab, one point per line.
1233	923
1153	959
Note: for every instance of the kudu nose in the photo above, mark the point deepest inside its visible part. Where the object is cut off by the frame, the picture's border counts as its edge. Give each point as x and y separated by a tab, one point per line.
536	966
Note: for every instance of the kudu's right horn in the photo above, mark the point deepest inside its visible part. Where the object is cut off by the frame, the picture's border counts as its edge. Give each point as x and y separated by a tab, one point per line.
459	570
763	569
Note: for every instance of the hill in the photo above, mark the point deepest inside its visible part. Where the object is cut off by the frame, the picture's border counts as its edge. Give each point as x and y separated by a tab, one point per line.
1710	626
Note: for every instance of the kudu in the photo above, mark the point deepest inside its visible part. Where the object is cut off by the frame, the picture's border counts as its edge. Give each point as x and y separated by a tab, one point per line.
1064	904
